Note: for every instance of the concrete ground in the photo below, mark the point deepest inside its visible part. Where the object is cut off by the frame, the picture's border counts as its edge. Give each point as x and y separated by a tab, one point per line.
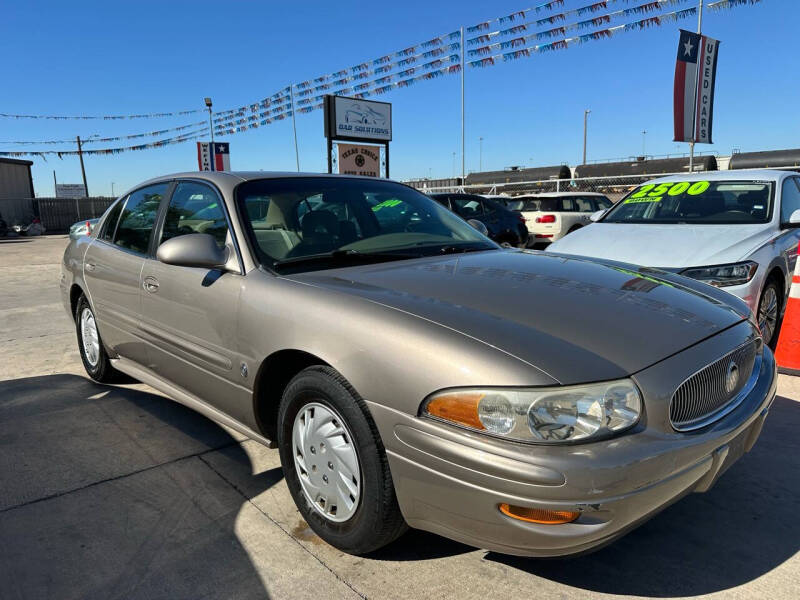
117	492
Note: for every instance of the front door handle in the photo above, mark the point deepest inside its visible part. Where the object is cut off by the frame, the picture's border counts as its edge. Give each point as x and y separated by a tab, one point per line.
150	284
90	266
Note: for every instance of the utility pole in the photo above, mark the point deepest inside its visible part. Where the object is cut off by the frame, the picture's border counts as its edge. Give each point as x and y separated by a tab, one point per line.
112	189
585	120
83	169
694	126
294	128
463	143
454	165
644	143
55	184
480	155
210	124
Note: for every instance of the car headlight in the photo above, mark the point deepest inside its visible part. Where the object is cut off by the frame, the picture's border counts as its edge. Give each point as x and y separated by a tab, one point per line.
724	275
554	415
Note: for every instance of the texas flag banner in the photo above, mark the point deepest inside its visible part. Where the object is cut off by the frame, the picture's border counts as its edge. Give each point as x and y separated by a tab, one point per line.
222	156
695	73
686	85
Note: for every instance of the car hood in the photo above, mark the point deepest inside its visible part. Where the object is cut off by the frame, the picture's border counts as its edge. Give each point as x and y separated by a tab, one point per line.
665	246
577	320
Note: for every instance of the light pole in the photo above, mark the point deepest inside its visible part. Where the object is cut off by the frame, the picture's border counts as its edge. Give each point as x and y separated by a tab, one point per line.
585	120
112	189
210	120
480	154
454	165
644	143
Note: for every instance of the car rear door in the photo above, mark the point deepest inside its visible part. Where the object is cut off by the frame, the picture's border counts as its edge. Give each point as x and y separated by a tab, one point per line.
190	315
113	268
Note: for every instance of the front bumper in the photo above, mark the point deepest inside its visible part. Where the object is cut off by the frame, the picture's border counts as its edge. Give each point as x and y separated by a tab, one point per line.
450	481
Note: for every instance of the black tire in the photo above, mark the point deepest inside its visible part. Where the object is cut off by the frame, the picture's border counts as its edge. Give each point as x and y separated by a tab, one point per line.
101	371
774	285
377	520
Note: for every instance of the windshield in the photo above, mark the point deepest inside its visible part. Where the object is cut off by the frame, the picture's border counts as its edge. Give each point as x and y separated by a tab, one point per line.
696	202
298	221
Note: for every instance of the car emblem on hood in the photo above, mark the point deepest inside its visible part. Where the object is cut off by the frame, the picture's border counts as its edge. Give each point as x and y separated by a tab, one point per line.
732	377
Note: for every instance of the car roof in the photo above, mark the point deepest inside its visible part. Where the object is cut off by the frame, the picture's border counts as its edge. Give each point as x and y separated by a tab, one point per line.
560	195
735	175
227	180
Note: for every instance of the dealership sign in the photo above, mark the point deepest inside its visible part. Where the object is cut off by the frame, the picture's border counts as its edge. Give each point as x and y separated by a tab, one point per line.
356	119
355	159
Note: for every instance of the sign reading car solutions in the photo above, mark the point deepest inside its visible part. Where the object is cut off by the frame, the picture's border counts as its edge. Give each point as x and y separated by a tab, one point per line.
359	160
356	119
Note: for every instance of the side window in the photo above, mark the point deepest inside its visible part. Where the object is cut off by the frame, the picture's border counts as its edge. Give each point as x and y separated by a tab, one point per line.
790	198
466	207
602	203
138	217
195	208
110	222
568	205
584	204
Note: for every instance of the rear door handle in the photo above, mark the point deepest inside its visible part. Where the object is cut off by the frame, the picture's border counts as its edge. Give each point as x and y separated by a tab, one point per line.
90	266
150	284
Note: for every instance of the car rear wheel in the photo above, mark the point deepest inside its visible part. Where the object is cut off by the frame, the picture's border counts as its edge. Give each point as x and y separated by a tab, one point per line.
335	464
93	354
574	228
769	311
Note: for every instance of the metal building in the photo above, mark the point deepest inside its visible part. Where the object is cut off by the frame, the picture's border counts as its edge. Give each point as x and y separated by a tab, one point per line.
15	178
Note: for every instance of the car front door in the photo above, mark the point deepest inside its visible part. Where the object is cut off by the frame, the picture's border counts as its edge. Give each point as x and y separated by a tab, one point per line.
790	202
189	315
113	267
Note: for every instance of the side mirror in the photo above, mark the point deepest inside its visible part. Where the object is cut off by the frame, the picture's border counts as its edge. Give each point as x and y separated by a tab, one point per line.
193	250
794	218
596	216
479	226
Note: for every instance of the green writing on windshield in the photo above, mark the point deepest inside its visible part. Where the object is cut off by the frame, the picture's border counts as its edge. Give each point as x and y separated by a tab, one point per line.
386	204
654	193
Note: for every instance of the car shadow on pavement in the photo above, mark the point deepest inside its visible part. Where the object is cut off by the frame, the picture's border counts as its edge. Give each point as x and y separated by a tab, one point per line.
104	493
741	529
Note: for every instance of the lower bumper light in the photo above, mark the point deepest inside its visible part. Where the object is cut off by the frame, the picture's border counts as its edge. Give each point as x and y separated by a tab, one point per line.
539	515
544	235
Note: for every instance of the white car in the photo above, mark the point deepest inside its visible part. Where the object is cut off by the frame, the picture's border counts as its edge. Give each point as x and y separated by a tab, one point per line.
551	216
737	230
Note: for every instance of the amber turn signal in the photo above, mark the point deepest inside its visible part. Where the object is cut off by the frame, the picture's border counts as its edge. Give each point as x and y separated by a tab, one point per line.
458	407
539	515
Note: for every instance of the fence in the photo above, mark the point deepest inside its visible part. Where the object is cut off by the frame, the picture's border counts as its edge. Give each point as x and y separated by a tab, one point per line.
615	187
56	214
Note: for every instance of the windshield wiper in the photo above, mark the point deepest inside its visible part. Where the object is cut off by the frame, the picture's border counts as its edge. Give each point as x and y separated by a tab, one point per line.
347	257
462	249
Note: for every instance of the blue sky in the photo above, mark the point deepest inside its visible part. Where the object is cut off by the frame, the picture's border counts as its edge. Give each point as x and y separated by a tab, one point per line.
147	56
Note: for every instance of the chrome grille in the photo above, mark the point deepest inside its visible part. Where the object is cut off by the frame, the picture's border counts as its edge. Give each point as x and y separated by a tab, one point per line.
704	397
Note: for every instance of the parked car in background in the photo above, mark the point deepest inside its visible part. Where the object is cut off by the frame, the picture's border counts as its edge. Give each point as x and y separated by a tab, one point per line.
551	216
737	230
409	370
82	228
505	226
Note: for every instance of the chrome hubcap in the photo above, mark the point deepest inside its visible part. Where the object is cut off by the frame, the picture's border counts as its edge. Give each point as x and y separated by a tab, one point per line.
768	314
326	462
90	337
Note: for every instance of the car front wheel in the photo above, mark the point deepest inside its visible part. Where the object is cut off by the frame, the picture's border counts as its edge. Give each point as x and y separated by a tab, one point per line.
335	464
769	311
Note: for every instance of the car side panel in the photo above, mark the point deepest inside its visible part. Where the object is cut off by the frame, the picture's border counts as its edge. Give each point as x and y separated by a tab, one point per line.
113	282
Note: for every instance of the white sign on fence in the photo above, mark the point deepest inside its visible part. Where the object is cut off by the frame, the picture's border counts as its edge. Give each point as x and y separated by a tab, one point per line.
70	190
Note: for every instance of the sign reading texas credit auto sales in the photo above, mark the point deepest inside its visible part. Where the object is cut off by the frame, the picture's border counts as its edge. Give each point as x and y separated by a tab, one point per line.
359	160
361	119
